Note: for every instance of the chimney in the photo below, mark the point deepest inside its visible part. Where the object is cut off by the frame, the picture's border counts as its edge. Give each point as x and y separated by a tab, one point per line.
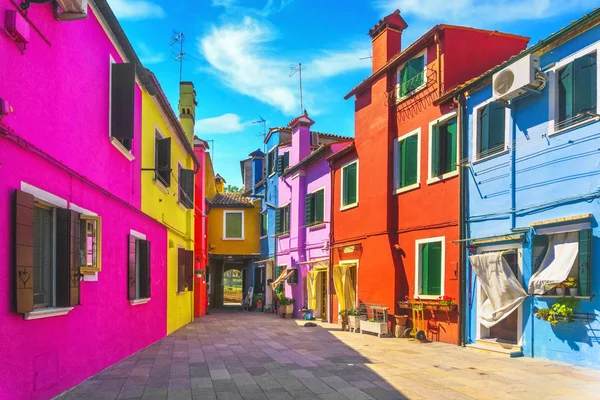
300	127
219	183
257	166
187	108
386	39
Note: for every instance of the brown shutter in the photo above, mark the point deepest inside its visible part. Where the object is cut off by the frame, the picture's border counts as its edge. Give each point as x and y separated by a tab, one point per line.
67	258
189	268
24	251
122	100
144	251
180	270
131	270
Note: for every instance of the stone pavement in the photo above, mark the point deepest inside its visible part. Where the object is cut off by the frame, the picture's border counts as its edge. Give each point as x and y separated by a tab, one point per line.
253	356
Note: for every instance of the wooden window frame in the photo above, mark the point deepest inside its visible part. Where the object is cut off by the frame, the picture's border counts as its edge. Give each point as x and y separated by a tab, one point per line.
396	142
418	267
355	204
98	267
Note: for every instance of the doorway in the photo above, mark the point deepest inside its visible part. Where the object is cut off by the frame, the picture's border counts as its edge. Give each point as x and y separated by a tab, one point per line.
323	282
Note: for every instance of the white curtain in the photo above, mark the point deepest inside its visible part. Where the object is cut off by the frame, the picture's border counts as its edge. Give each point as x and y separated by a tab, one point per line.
504	291
557	264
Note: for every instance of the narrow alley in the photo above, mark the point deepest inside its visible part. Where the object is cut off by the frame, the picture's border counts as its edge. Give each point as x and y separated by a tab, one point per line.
234	355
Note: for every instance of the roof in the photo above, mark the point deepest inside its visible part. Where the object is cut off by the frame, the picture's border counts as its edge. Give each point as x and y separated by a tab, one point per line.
414	48
230	200
285	144
342	152
275	129
219	177
295	120
257	153
320	152
332	136
592	17
200	143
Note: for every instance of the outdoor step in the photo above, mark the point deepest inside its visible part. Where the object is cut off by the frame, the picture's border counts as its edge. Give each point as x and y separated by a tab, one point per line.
511	350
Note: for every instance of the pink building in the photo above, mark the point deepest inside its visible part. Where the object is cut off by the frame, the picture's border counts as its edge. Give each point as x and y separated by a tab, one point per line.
82	288
303	216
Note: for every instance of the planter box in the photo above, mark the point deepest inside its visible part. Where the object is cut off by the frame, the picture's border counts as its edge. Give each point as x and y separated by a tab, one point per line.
354	322
380	328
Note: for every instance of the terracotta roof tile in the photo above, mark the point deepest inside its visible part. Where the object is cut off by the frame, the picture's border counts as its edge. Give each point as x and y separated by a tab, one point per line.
231	200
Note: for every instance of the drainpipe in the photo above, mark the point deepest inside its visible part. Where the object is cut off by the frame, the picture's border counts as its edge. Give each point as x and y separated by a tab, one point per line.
513	166
436	39
331	213
462	228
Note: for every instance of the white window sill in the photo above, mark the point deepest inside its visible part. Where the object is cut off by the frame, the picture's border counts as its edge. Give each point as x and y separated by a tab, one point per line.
47	313
587	121
233	238
160	186
182	207
316	227
137	302
448	175
349	206
409	94
407	188
283	236
115	142
490	156
553	296
427	297
184	292
264	237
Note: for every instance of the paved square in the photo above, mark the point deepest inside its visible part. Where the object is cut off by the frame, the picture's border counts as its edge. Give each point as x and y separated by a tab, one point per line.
255	356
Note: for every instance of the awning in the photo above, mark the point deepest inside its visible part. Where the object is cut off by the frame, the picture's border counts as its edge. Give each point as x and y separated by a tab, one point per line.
557	263
264	261
285	274
503	290
316	260
319	264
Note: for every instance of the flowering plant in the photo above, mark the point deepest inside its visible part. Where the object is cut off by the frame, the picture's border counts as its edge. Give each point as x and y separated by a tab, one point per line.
570	283
446	300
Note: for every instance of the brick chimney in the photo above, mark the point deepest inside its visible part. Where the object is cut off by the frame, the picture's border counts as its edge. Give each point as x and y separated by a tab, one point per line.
300	127
386	39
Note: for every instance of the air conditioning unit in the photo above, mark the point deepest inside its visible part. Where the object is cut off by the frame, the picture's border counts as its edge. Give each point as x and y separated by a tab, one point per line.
71	10
16	26
513	80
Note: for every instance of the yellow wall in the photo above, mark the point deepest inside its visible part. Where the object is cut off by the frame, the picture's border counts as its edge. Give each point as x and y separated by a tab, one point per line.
162	204
251	243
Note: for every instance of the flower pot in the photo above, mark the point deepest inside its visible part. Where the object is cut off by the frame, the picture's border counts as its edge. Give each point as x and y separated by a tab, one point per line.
354	322
401	320
259	305
560	291
289	309
573	291
380	328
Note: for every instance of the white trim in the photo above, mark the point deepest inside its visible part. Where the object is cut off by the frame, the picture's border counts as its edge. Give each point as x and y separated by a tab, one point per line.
355	204
137	234
115	142
395	142
432	179
137	302
475	132
225	224
418	89
81	210
479	290
43	195
553	88
418	260
47	313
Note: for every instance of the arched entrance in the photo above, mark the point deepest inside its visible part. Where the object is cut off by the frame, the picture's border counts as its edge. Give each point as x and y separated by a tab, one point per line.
229	279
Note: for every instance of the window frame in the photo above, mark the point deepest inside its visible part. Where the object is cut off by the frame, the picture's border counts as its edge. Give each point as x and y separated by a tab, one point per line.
140	300
418	268
272	163
477	128
280	209
225	213
316	221
433	179
98	267
163	186
52	285
355	204
264	215
396	143
127	153
553	112
399	98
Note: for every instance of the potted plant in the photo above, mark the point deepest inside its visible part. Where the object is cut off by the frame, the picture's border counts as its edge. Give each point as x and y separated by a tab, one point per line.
258	301
571	283
354	319
560	311
560	289
378	322
344	315
198	273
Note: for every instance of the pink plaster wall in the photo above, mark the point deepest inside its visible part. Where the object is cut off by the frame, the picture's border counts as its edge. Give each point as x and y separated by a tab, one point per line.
60	97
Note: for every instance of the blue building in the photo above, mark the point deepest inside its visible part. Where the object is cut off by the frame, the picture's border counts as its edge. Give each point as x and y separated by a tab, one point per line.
531	200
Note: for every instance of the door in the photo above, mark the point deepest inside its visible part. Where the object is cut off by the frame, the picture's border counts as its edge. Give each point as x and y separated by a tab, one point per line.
323	276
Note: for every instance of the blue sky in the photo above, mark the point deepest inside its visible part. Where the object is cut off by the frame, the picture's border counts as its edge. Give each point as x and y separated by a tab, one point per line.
239	54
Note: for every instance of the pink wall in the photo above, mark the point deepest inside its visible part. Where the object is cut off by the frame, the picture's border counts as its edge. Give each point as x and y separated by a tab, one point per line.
60	95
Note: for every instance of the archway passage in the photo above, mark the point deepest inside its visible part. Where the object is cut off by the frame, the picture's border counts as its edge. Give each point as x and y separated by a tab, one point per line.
233	286
229	280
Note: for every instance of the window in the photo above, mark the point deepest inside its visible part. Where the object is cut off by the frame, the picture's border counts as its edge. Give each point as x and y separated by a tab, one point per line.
406	161
282	220
315	207
162	160
490	126
43	256
350	184
264	224
283	161
186	187
139	268
185	270
271	162
443	147
429	277
90	243
577	89
233	225
122	104
411	76
562	263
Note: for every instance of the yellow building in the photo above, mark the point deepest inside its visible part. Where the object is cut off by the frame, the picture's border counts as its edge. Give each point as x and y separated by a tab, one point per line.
233	239
169	165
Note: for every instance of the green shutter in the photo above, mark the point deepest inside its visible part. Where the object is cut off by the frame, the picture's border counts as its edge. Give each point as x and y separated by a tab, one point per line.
497	127
404	77
451	141
308	211
584	84
565	93
287	218
425	269
398	164
416	67
402	163
435	150
410	152
278	221
435	269
585	262
319	206
350	184
286	160
483	144
278	270
540	246
280	166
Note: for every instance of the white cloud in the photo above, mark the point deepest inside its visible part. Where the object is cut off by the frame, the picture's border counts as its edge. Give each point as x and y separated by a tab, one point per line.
270	7
148	56
241	57
226	123
136	9
477	12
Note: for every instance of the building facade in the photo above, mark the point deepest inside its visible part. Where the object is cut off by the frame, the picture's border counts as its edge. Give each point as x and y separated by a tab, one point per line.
401	177
201	228
531	201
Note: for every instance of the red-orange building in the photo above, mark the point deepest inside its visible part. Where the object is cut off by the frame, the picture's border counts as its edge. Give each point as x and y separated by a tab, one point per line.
395	216
201	226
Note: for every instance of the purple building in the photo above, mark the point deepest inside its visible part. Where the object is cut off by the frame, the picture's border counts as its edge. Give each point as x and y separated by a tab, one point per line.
303	214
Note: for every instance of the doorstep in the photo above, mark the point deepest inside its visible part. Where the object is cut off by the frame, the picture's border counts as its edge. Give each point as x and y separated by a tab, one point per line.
511	350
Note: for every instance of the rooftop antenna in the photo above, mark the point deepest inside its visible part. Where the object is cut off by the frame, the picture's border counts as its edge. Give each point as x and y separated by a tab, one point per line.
298	68
366	58
178	38
264	132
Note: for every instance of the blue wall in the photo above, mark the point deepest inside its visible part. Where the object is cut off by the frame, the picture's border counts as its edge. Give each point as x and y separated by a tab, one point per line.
546	180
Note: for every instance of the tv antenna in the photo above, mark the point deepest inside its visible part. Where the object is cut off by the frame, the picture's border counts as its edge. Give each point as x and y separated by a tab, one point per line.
264	132
178	38
298	68
366	58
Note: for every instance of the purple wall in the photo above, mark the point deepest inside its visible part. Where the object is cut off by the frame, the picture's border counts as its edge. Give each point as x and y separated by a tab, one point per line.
60	96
